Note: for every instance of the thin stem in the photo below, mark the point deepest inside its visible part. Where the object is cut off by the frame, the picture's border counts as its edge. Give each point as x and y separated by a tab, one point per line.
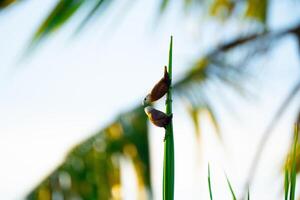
209	184
168	173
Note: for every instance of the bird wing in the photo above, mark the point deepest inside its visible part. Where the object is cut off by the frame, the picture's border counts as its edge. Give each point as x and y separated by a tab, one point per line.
158	115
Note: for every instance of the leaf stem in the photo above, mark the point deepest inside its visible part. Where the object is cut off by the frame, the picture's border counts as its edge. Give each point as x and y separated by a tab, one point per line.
168	169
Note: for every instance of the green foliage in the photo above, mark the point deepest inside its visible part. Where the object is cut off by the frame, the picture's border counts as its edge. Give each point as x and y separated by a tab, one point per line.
286	184
209	184
92	169
291	168
222	8
257	9
168	169
231	189
248	195
58	17
63	12
6	3
193	89
66	10
163	5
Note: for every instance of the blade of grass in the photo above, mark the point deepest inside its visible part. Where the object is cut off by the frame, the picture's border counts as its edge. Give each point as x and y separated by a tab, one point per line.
230	187
248	196
168	173
293	170
286	183
209	184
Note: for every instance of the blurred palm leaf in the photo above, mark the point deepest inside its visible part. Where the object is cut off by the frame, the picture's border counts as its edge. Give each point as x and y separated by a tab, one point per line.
6	3
92	169
222	8
58	16
289	160
257	9
66	10
63	12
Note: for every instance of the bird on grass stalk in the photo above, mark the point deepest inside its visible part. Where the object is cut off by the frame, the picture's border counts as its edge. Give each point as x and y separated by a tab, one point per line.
159	89
158	118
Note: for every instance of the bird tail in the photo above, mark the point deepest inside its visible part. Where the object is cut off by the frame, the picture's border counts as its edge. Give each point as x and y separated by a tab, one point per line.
166	76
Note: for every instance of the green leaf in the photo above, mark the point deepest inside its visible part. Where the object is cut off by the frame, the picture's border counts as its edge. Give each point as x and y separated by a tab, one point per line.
214	120
58	16
222	8
209	184
163	5
257	9
92	169
6	3
248	195
231	190
293	170
194	115
286	183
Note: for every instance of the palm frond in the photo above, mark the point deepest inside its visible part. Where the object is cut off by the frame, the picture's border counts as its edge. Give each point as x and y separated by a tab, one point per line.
6	3
65	10
257	9
92	169
61	13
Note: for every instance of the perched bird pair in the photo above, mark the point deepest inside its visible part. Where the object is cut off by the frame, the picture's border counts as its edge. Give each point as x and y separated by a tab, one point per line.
157	117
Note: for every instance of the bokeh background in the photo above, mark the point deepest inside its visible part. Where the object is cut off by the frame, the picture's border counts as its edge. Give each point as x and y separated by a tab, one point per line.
74	73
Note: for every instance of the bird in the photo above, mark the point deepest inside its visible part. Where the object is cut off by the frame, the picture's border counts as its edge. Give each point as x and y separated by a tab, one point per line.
159	89
158	118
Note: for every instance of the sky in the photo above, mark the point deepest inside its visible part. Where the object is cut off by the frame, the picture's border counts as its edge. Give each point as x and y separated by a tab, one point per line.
71	87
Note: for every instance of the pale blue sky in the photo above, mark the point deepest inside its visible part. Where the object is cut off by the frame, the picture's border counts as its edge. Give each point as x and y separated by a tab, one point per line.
70	88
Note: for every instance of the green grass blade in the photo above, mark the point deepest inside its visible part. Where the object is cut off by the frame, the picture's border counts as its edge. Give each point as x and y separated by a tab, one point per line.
286	183
231	189
248	195
293	170
168	173
209	184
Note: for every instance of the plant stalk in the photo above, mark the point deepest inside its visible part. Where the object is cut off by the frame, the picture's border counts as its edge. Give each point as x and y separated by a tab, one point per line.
168	168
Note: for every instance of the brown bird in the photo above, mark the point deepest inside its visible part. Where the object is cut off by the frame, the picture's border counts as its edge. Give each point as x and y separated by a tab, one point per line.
157	117
159	90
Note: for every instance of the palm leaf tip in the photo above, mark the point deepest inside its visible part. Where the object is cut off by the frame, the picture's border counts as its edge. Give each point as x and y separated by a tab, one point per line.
62	12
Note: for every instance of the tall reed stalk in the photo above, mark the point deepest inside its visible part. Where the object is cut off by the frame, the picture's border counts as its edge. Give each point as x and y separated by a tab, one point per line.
168	173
